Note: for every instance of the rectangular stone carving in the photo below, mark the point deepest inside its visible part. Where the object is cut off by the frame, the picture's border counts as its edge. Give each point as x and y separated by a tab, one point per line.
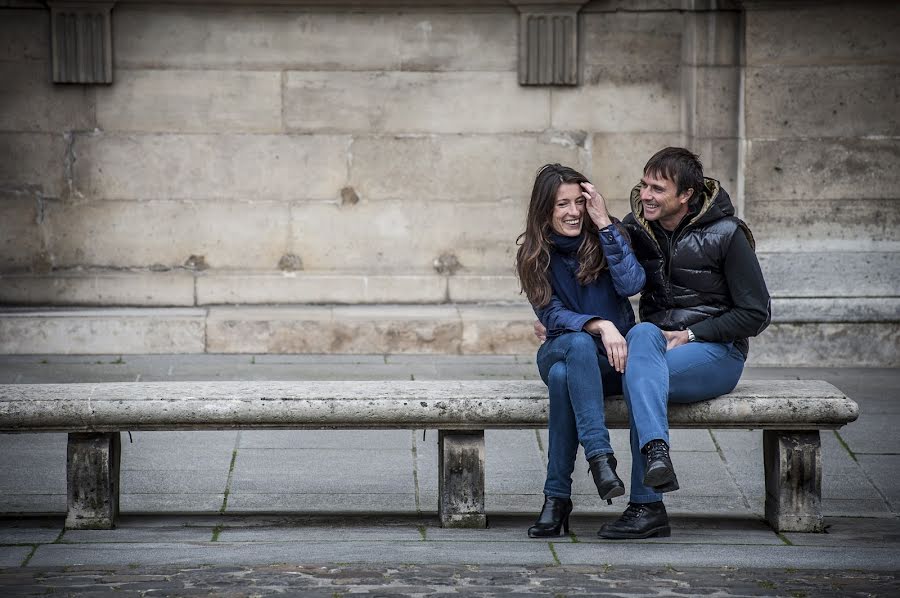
461	478
92	470
81	36
793	471
548	48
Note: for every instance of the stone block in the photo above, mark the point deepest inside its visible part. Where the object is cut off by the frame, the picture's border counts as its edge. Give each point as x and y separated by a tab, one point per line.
498	329
827	345
24	35
34	163
465	168
821	169
404	102
461	479
246	167
92	470
837	310
191	101
108	288
832	274
407	236
21	241
629	38
720	159
486	288
112	331
618	99
857	224
377	329
711	38
618	163
822	101
235	287
472	40
716	96
139	234
793	462
848	33
31	102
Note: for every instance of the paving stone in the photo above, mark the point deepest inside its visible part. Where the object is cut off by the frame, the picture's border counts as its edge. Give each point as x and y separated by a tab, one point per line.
168	503
129	535
852	532
341	502
28	535
882	469
337	533
144	481
13	556
327	439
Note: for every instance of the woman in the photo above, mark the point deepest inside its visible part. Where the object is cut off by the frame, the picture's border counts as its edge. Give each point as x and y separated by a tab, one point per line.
577	269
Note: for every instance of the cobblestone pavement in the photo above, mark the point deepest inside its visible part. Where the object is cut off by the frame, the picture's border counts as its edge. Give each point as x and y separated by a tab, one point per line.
332	581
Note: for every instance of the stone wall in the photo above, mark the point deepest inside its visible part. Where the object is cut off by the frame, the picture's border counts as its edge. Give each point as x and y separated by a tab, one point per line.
382	153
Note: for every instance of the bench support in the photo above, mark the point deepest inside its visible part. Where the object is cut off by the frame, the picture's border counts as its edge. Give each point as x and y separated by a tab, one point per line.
92	471
461	478
793	469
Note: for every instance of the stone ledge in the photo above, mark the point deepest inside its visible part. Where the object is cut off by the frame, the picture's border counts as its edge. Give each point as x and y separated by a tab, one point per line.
822	332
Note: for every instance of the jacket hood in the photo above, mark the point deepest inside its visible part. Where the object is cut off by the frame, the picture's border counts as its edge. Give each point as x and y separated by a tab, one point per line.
715	204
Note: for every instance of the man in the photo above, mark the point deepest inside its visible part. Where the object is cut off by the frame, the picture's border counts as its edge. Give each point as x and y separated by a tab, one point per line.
704	296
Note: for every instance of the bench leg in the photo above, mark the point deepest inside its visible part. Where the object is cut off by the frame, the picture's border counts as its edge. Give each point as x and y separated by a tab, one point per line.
92	471
461	478
793	464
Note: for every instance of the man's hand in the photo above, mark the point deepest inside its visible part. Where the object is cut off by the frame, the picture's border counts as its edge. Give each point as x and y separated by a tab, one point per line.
540	331
675	338
596	206
613	341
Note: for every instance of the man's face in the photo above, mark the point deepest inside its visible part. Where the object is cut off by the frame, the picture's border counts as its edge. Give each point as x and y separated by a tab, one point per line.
568	210
662	203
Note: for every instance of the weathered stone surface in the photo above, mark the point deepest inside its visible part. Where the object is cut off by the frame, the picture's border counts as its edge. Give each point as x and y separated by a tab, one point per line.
383	329
858	223
246	167
837	310
188	101
715	101
501	329
32	103
235	287
628	38
398	102
92	470
269	37
618	163
861	344
712	38
140	234
406	236
487	288
831	274
461	479
823	34
24	35
442	404
819	169
720	159
33	163
21	241
823	101
465	168
617	98
793	462
109	288
102	331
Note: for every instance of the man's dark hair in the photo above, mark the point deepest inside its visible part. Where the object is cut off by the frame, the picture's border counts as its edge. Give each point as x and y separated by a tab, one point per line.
679	166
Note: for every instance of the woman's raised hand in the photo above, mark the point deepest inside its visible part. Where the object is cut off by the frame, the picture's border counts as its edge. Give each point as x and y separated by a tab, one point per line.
596	205
613	342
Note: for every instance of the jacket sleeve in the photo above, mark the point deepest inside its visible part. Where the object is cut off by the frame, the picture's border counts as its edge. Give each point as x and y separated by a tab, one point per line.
626	271
557	319
752	307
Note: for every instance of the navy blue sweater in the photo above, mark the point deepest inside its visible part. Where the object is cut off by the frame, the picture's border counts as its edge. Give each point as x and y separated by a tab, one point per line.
572	304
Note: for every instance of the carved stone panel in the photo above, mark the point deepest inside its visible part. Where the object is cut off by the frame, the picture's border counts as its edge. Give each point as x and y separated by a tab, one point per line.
81	35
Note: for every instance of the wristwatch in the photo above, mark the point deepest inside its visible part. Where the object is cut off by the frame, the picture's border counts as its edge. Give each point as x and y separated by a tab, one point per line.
691	337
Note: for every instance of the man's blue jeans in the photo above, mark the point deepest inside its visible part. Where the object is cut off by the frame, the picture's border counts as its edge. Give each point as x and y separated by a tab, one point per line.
578	376
653	377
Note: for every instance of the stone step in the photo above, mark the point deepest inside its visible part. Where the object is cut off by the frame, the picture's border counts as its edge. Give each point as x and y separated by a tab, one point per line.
820	332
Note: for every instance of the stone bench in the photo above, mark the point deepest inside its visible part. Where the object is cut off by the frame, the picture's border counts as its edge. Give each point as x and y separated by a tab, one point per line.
790	413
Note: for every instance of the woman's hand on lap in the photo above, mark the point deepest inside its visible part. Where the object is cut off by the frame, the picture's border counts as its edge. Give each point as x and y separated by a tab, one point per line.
613	342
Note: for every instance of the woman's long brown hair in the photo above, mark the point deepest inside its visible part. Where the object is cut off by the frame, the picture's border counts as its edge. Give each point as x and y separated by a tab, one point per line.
533	255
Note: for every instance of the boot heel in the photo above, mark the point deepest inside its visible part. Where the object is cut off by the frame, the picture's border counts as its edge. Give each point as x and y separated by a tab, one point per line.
609	501
566	524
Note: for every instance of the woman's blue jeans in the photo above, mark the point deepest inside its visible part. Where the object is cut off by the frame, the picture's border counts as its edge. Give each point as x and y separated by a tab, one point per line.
578	376
654	377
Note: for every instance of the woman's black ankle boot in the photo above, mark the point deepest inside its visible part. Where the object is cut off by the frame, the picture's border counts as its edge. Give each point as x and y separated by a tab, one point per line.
554	516
609	485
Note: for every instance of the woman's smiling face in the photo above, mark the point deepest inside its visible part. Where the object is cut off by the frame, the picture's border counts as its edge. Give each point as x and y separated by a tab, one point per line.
568	210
